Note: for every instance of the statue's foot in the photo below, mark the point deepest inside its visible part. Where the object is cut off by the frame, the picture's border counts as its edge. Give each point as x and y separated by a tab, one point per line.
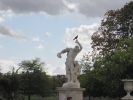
71	85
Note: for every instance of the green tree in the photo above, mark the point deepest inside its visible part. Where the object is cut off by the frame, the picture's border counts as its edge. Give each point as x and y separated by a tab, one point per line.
113	46
33	80
9	83
117	25
108	71
58	81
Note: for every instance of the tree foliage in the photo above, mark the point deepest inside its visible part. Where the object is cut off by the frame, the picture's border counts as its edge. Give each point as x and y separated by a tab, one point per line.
113	49
117	25
33	80
105	78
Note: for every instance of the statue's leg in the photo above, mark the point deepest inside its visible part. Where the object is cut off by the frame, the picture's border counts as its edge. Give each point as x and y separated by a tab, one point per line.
68	73
72	72
76	70
74	77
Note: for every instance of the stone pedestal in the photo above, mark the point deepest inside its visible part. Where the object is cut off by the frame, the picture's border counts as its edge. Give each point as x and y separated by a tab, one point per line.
128	87
70	93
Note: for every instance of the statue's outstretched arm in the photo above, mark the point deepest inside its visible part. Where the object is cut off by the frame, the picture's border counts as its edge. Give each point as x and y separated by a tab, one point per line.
63	51
79	44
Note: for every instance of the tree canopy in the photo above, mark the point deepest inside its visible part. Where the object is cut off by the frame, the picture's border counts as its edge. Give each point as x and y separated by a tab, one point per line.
116	25
113	49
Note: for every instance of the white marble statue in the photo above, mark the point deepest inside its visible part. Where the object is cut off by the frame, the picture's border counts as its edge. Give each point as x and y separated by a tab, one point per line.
72	66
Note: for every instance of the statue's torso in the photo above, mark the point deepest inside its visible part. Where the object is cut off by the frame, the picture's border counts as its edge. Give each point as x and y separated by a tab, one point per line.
71	55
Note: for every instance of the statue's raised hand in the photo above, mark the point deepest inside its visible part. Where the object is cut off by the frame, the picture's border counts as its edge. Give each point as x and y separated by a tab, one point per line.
59	55
76	41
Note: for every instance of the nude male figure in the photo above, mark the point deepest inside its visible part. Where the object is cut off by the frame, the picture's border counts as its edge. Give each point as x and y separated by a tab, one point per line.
72	66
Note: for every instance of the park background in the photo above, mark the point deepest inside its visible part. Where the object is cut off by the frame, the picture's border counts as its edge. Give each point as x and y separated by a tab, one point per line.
33	32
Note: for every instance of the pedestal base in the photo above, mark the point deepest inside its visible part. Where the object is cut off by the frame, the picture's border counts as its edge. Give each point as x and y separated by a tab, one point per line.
70	93
128	97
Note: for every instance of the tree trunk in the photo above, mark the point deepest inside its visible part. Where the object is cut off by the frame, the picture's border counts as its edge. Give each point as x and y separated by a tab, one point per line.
29	96
89	97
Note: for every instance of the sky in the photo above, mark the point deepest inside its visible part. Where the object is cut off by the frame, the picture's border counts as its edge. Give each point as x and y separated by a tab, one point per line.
40	29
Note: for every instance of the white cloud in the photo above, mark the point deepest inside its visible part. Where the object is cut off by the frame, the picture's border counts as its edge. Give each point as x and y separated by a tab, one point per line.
7	31
38	42
5	14
89	8
97	8
70	6
47	34
36	39
5	65
1	46
32	6
2	19
84	33
40	46
54	69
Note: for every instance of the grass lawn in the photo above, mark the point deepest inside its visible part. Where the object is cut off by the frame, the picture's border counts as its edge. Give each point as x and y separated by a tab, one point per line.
42	98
